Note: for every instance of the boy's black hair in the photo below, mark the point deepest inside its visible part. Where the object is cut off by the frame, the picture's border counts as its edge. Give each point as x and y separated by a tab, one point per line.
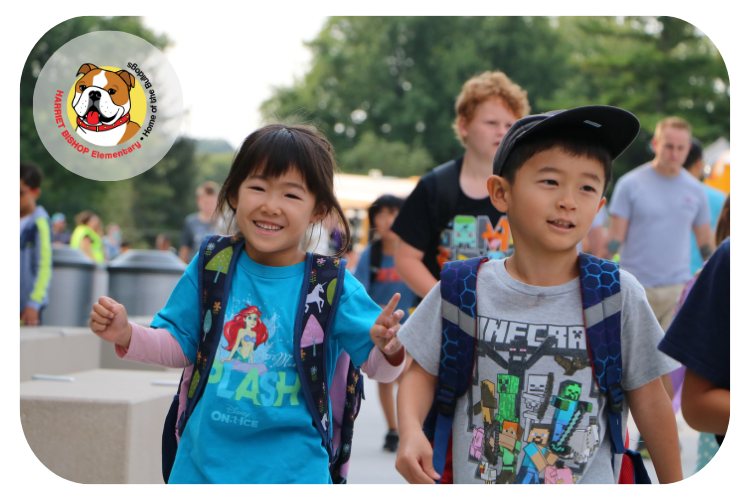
31	175
695	154
575	142
385	201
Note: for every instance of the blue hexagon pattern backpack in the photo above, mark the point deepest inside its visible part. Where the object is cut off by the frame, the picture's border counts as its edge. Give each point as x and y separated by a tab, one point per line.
346	389
602	306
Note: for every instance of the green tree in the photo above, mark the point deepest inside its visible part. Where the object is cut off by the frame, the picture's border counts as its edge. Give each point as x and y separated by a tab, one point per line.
652	66
391	158
398	77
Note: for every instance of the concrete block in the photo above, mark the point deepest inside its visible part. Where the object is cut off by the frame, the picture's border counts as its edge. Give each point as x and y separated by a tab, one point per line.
52	350
103	427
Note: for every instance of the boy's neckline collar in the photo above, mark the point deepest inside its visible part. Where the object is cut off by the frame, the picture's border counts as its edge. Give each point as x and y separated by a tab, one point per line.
521	287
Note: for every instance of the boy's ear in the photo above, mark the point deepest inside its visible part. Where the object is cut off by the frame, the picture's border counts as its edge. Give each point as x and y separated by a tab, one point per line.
499	190
461	125
601	203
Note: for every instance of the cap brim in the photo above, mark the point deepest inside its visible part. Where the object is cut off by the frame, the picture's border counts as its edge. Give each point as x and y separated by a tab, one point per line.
613	127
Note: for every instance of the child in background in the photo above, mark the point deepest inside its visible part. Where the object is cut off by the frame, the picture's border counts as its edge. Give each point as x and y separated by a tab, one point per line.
534	389
279	187
36	249
449	216
377	273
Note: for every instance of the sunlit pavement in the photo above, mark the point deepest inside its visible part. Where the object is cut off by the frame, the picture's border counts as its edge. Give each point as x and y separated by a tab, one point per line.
370	464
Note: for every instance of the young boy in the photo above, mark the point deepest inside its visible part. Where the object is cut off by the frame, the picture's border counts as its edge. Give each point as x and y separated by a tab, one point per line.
36	249
532	368
449	216
377	274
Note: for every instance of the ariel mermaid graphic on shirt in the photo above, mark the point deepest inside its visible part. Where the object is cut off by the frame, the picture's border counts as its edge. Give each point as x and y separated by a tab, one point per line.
244	333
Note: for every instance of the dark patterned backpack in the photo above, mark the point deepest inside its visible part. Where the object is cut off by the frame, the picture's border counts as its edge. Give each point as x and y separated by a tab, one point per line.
602	306
324	279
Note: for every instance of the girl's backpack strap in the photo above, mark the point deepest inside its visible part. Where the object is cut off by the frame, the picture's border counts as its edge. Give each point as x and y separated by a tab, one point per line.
458	285
324	279
602	310
217	260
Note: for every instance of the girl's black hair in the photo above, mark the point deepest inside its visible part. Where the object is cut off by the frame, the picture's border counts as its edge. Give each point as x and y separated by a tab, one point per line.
274	150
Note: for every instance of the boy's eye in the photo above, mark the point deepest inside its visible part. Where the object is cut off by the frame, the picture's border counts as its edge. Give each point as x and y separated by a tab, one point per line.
257	188
550	182
589	188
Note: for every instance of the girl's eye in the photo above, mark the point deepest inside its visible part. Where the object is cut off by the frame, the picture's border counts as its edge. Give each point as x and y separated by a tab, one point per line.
550	182
294	196
257	188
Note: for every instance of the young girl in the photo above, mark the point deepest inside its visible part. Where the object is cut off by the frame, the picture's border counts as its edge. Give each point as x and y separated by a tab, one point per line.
252	424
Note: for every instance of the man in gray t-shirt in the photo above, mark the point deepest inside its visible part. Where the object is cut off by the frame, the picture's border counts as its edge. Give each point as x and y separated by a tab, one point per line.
202	223
653	211
535	411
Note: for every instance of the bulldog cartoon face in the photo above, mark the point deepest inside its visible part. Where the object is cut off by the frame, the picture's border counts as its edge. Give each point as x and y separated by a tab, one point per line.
102	103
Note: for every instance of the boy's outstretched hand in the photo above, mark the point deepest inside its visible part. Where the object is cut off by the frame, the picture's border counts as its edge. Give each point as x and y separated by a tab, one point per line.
383	332
110	321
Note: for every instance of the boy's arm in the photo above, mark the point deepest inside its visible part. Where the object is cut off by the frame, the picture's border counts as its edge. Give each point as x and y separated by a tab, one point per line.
653	414
415	395
705	406
44	274
409	265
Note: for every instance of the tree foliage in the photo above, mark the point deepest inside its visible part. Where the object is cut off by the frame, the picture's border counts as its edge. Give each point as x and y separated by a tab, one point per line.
398	77
375	81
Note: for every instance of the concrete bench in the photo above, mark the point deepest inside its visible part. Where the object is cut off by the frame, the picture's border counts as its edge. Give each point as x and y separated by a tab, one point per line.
104	426
57	350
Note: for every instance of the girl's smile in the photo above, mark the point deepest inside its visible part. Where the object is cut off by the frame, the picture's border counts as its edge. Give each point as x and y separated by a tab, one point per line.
274	214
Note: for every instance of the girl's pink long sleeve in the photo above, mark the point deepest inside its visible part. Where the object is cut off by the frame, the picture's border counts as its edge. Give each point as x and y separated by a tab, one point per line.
154	346
378	368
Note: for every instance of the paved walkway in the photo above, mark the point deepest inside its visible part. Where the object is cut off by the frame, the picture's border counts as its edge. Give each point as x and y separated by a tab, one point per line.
372	465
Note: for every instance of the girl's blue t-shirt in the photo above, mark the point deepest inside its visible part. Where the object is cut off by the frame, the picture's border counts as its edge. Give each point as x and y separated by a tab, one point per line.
252	424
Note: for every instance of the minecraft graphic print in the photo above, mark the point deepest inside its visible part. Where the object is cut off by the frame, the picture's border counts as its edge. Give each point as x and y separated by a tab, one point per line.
469	236
533	404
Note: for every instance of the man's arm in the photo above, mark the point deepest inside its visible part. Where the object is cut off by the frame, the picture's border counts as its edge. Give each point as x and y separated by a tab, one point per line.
618	229
415	394
653	414
597	241
409	265
704	238
705	406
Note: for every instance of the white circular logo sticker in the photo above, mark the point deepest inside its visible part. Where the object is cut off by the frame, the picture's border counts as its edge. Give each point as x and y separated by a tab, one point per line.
108	105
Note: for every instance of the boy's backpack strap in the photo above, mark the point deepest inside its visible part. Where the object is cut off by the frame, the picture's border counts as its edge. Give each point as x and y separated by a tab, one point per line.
446	180
602	310
458	284
217	260
324	279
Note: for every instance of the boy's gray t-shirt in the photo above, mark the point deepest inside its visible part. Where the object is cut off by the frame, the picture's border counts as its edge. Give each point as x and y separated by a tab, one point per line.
530	342
661	212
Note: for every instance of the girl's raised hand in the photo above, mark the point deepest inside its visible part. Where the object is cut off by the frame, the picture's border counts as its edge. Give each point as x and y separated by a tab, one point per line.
383	332
110	321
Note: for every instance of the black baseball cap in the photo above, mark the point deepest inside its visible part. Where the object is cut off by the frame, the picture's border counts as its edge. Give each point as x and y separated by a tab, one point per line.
615	128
